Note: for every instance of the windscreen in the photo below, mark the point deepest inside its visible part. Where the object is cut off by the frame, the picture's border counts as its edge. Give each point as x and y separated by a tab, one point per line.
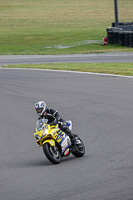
40	123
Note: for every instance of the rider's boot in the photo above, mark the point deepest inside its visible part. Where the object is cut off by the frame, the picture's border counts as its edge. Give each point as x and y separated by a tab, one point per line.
72	137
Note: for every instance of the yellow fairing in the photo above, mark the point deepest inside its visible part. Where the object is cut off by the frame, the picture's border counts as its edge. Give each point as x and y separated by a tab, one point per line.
50	141
48	134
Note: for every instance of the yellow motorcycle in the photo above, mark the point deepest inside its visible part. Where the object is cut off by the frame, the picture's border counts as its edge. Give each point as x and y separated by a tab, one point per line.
57	144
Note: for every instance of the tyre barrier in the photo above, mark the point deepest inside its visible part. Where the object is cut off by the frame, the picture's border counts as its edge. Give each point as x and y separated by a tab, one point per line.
115	37
127	36
124	38
131	39
110	36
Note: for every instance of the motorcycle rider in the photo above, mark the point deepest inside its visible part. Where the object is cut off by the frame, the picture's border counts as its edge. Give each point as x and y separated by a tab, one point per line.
53	118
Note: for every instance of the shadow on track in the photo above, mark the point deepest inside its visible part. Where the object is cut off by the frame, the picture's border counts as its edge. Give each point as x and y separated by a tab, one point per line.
42	163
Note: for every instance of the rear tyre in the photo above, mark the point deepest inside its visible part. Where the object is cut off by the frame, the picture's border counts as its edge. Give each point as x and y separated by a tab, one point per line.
52	153
79	149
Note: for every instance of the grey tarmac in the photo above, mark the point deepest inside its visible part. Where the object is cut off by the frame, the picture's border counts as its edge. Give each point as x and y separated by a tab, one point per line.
101	109
73	58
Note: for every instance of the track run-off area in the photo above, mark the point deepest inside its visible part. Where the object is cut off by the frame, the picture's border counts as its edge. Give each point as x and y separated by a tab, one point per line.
112	57
101	109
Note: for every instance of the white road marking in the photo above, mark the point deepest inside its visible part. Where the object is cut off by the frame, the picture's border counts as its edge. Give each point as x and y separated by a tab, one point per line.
65	71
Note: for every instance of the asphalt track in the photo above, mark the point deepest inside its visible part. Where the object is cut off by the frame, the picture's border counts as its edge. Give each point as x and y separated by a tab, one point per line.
75	58
101	108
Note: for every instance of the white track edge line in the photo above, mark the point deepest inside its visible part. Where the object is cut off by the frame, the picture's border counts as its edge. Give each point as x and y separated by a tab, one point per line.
65	71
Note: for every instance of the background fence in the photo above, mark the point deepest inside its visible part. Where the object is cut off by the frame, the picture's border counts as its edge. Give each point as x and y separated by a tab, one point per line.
125	10
121	31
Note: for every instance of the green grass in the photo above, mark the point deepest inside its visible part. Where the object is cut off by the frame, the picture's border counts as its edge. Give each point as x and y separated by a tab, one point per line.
30	26
107	68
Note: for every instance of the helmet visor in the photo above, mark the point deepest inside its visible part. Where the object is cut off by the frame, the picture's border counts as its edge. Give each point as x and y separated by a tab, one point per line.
39	110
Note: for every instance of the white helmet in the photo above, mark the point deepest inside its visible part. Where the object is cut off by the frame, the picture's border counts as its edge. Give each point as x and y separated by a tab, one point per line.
40	107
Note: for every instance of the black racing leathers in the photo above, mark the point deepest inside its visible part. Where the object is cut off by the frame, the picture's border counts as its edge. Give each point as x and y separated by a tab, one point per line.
54	118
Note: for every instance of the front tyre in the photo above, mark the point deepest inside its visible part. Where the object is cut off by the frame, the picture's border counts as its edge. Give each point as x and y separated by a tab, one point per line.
79	148
52	153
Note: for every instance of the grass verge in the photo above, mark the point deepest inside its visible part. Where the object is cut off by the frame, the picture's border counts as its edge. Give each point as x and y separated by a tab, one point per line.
38	27
125	69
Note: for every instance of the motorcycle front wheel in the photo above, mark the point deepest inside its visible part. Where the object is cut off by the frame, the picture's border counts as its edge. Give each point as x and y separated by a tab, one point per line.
52	153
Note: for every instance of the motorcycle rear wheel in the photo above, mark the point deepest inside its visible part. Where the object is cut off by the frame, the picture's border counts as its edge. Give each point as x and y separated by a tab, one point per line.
52	153
79	149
